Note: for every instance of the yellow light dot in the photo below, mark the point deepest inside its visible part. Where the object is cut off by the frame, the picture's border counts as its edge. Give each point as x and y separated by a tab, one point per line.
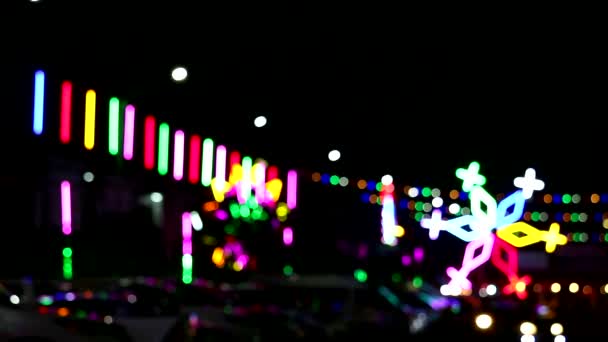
556	287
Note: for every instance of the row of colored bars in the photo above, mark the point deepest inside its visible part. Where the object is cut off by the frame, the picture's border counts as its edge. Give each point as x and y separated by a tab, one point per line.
197	147
201	152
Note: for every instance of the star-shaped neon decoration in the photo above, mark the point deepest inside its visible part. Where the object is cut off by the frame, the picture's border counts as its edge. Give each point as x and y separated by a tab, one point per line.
528	183
493	229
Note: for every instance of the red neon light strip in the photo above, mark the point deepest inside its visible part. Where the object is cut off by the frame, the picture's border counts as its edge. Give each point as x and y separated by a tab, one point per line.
65	119
149	141
195	159
273	173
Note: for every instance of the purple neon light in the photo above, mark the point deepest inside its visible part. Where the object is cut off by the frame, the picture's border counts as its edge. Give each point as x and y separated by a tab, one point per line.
292	189
287	236
129	132
178	156
260	182
66	208
186	234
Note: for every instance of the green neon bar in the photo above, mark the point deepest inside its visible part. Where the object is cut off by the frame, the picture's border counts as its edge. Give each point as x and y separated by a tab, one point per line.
114	126
207	163
163	148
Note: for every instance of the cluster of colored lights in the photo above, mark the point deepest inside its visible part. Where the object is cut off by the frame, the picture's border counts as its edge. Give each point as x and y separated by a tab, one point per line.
245	178
486	217
423	200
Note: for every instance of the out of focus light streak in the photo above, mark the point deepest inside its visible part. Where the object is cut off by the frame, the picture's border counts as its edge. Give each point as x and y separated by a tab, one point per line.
287	236
163	149
66	227
292	188
220	166
38	102
65	119
186	248
260	181
113	126
129	132
178	155
89	120
195	159
149	140
207	163
244	191
66	208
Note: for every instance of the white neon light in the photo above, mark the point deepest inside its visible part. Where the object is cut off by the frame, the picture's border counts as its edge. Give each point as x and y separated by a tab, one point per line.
528	183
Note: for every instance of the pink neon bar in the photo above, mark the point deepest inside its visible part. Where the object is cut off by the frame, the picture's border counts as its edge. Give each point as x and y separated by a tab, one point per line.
129	132
66	208
260	183
186	233
287	236
220	164
178	156
292	188
65	118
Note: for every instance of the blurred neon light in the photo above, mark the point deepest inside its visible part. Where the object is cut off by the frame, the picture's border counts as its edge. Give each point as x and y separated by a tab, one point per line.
273	173
259	181
470	262
129	132
235	159
528	183
389	222
480	198
457	227
149	140
186	233
39	102
470	177
518	286
488	216
553	238
65	118
288	236
68	269
89	120
66	208
195	159
114	126
187	261
219	186
207	164
244	186
178	155
509	265
220	164
195	219
519	234
435	224
292	189
163	149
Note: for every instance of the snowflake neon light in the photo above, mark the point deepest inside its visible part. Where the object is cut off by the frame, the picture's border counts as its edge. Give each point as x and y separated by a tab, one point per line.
492	230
